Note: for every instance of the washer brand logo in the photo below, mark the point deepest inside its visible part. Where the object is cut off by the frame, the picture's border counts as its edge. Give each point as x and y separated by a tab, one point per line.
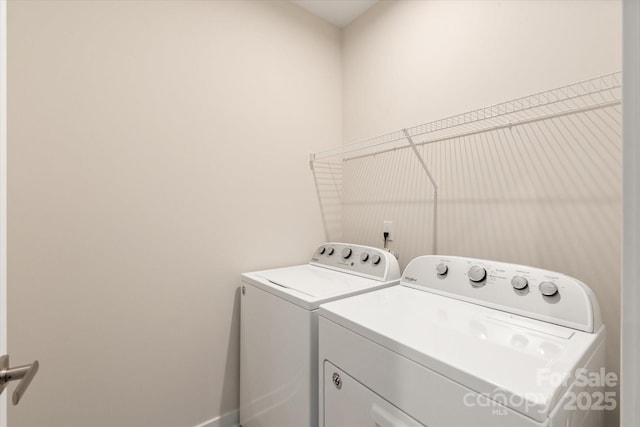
410	279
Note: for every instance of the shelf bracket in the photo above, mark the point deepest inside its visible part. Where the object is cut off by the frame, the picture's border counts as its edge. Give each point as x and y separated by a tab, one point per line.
433	183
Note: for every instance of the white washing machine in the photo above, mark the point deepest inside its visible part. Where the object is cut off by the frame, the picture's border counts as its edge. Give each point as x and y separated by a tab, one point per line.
465	342
279	329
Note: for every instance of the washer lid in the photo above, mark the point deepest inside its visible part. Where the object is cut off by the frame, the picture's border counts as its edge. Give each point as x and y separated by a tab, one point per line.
522	363
314	282
309	285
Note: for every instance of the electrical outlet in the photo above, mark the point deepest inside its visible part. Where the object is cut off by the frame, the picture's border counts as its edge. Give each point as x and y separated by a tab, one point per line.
387	227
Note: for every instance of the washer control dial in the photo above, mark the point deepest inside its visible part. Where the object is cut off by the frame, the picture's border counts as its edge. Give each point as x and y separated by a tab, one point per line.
346	253
364	257
548	289
330	251
442	269
376	259
477	273
519	282
323	250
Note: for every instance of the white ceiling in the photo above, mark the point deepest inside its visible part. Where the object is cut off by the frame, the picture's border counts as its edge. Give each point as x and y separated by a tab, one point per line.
338	12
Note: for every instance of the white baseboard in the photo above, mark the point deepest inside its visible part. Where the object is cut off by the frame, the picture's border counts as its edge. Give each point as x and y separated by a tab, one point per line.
231	419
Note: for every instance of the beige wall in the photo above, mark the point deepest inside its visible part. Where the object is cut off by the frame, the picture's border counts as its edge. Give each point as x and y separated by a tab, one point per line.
157	149
408	62
546	194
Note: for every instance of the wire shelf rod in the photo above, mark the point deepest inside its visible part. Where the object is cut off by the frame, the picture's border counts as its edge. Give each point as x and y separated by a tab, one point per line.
591	92
487	129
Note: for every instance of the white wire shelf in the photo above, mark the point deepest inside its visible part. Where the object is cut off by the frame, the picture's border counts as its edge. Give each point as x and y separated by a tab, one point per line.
596	93
419	183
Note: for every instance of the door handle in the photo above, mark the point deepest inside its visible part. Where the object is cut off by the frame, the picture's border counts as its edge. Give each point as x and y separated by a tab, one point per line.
24	373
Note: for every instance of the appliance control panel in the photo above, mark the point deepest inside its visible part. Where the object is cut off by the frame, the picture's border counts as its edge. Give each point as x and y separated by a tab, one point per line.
526	291
363	261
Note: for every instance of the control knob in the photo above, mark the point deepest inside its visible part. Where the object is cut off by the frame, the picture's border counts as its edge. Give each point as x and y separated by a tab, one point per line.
376	259
364	257
477	273
442	269
346	253
330	251
548	289
519	282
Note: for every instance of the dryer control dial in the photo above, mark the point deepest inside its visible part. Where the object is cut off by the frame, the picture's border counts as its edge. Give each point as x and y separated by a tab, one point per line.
442	269
376	259
477	273
548	289
364	257
330	251
346	253
519	282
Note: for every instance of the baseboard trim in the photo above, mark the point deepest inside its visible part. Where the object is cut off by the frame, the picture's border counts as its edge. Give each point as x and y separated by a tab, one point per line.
231	419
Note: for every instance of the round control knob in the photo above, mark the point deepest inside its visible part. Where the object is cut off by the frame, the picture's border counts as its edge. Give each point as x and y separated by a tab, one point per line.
364	257
323	250
548	289
376	259
442	269
346	253
330	251
477	273
519	282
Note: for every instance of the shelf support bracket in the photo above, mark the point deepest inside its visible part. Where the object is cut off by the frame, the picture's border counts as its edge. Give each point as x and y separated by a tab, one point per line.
433	183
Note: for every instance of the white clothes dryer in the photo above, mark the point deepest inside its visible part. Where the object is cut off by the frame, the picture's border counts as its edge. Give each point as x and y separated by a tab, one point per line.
279	329
465	342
